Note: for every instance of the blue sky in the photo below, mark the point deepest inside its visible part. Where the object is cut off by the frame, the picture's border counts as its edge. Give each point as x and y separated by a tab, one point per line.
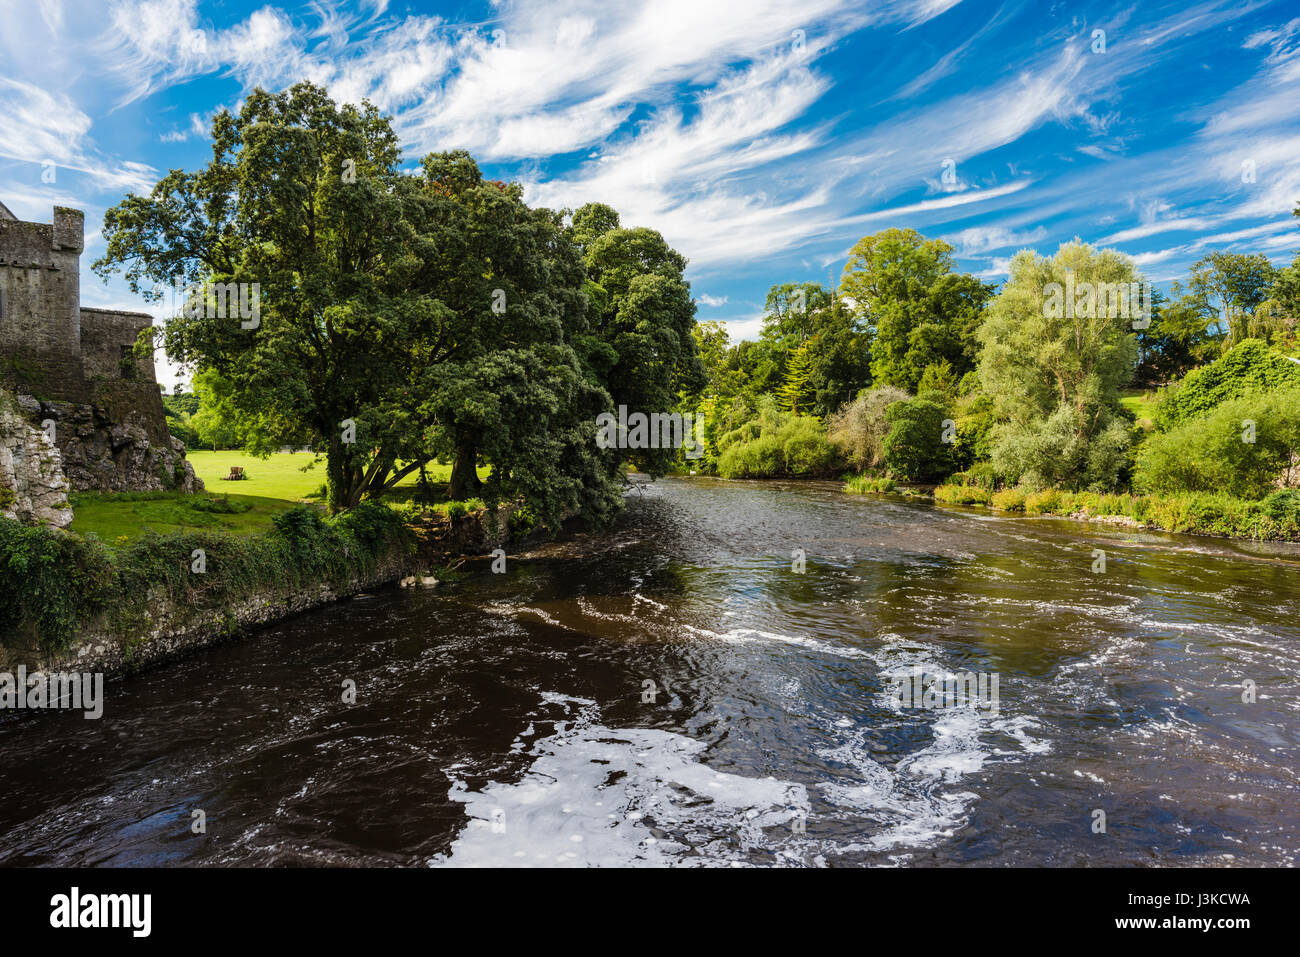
762	138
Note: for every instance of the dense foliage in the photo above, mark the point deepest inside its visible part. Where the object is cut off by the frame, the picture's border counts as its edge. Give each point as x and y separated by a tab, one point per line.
443	319
1055	379
407	316
1013	399
860	427
1249	366
921	312
910	449
1242	447
777	444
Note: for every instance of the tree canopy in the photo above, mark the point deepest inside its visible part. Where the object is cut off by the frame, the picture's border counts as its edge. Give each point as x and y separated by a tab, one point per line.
402	316
920	311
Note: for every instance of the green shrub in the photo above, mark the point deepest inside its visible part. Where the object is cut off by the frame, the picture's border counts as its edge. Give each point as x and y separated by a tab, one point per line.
522	520
1068	449
1249	366
760	458
1210	453
219	505
1009	500
778	444
939	377
806	451
1043	502
49	581
915	448
975	421
858	430
979	475
869	484
963	495
1283	505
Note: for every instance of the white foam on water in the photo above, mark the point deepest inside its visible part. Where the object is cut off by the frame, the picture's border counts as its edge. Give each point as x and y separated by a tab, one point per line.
922	797
514	611
910	804
597	796
588	609
740	636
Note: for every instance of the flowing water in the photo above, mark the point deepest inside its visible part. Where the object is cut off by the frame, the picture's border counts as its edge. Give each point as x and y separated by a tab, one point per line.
507	718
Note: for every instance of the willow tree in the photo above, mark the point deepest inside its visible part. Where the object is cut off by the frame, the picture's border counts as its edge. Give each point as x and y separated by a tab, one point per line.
1055	357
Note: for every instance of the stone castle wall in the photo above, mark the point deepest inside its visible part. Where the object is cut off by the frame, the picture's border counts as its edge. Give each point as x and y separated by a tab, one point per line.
40	278
77	366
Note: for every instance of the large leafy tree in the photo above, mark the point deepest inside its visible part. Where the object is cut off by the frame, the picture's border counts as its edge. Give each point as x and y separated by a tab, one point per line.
304	199
1055	374
819	345
377	342
1277	318
1228	288
510	283
920	311
640	345
1177	338
841	357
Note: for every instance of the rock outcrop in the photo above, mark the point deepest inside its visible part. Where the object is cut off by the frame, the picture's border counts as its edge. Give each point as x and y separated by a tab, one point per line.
33	486
114	453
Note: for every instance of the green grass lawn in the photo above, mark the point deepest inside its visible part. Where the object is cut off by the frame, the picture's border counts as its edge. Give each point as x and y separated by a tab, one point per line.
280	476
114	516
272	485
1142	405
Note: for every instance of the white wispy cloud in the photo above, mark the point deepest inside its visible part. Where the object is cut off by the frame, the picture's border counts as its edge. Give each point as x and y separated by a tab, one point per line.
47	129
747	328
975	240
708	121
1189	223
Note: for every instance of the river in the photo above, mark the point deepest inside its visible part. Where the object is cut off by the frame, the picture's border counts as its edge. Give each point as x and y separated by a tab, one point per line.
507	718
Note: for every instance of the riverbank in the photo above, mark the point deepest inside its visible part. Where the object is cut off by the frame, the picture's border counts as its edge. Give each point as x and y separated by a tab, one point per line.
71	602
1274	519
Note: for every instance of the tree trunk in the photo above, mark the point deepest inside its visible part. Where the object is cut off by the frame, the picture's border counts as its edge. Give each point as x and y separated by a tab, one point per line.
336	480
464	473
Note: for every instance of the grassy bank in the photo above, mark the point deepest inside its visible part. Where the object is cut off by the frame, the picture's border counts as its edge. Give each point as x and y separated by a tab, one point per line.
1275	518
128	515
243	508
54	585
1142	405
